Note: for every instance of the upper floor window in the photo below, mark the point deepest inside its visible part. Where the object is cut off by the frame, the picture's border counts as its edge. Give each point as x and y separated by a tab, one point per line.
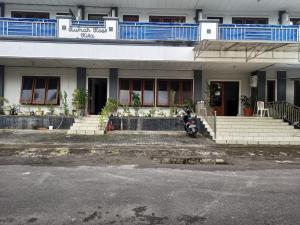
246	20
40	90
295	21
63	14
167	19
220	19
23	14
97	16
131	18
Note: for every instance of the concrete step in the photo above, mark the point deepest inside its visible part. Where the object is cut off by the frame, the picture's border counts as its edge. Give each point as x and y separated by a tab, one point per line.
86	121
268	122
86	124
254	128
261	138
243	142
259	134
86	132
229	131
84	128
244	118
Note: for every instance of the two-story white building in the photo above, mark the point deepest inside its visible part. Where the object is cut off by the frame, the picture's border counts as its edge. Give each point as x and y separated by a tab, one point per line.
114	48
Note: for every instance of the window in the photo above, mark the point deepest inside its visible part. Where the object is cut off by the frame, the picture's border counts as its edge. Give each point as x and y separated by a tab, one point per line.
63	14
220	19
124	95
40	90
131	18
97	16
174	92
143	87
295	21
37	15
245	20
167	19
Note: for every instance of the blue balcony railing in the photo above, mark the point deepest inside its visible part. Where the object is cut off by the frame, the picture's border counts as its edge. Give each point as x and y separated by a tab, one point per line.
154	31
27	27
158	31
275	33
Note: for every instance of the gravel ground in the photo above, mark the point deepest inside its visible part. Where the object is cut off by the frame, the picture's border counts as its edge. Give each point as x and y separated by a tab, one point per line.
145	149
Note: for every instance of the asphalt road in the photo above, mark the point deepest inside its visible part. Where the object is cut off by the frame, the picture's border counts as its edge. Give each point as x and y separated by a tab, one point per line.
134	196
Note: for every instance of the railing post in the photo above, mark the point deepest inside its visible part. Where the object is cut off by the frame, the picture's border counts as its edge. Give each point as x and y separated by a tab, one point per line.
215	124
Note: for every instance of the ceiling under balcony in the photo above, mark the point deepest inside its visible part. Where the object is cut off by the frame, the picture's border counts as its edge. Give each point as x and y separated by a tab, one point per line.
208	5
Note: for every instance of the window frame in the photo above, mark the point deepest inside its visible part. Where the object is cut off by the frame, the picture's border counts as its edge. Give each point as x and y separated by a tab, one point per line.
130	80
220	18
131	16
181	100
173	18
38	15
46	80
97	14
255	19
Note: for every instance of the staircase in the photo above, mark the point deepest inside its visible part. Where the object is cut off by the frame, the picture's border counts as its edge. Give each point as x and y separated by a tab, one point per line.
88	125
255	130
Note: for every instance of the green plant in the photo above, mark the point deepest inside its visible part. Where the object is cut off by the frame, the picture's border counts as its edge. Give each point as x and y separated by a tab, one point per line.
64	100
3	101
246	101
14	109
136	102
152	111
126	109
79	100
189	104
111	105
51	109
104	114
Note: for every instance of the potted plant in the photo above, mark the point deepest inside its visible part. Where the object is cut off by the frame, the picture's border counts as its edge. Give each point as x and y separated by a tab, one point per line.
111	106
13	109
246	101
136	102
79	100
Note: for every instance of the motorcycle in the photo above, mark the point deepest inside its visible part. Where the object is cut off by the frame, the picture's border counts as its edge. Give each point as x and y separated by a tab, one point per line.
190	125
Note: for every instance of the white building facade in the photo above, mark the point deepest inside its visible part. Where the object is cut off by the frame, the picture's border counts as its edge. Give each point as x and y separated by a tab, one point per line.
153	48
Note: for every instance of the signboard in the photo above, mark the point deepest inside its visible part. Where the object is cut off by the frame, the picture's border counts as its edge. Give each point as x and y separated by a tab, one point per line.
66	29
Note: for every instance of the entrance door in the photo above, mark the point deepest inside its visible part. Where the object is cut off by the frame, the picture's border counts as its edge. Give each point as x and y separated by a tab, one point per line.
271	91
97	94
225	97
297	93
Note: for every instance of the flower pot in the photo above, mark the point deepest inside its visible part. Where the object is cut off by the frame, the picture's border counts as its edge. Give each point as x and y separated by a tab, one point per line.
248	112
50	127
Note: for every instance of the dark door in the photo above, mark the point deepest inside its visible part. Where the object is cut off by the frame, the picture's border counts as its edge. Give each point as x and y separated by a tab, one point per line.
297	92
97	95
225	97
271	86
231	98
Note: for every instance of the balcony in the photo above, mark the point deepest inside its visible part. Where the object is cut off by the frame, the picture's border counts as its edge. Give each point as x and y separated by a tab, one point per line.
274	33
27	27
158	31
130	31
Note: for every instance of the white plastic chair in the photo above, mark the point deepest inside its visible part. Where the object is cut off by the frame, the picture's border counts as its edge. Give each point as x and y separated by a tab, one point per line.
261	110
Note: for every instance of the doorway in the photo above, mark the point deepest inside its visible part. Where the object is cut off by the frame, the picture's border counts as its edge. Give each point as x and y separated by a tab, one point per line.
225	97
297	93
97	95
271	90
